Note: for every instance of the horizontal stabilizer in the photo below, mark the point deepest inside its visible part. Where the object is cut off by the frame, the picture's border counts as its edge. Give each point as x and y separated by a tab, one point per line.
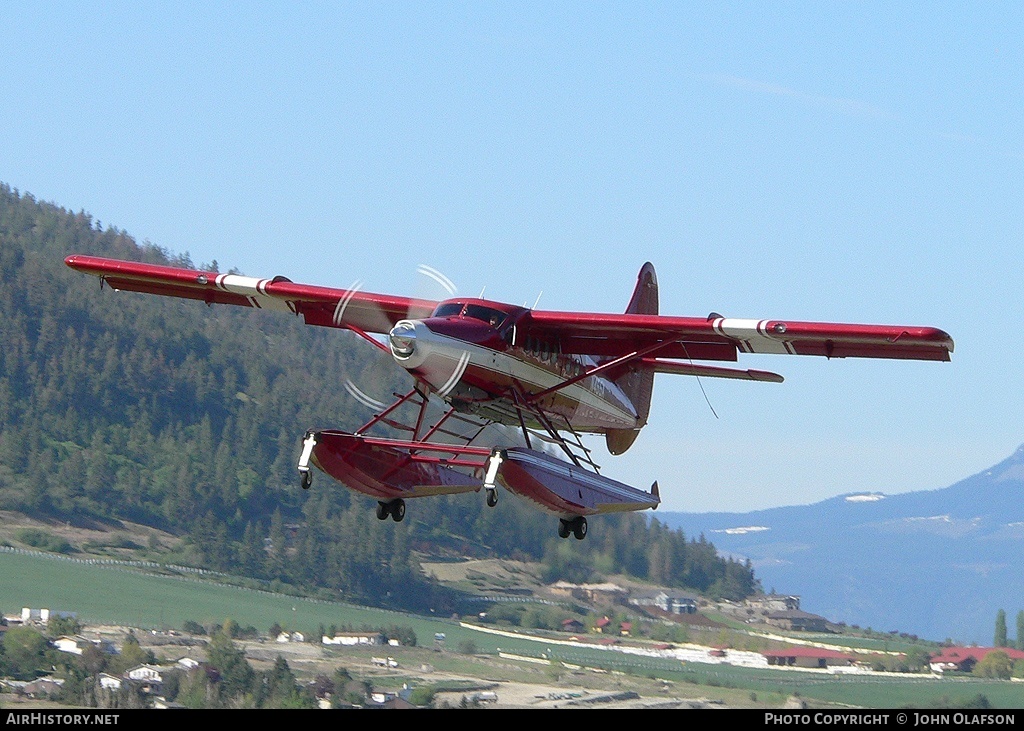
660	365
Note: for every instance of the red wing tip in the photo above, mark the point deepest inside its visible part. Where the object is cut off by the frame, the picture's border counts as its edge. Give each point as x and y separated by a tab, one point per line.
81	262
78	261
939	337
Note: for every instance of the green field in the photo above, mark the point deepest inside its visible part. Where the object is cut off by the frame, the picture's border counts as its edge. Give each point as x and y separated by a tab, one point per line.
115	594
110	593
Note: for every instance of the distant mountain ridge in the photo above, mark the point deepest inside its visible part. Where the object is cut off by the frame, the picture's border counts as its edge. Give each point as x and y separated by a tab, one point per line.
935	563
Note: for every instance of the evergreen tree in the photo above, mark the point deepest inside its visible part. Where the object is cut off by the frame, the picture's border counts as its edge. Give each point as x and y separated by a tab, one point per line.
1000	634
235	675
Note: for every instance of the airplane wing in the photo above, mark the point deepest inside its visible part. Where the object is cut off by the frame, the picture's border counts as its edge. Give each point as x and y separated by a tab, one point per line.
602	335
720	338
344	308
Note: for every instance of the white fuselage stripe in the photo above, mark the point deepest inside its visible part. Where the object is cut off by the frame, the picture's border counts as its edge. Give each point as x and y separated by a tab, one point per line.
537	377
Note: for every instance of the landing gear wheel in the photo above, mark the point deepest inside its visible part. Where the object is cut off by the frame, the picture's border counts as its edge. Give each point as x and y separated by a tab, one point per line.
397	510
563	528
492	498
579	528
307	479
383	510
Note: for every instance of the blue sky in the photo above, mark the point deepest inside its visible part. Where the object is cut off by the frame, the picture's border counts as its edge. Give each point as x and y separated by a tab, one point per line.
848	162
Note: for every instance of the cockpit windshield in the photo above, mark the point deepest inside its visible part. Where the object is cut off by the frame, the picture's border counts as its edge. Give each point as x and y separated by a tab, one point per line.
486	314
449	309
494	318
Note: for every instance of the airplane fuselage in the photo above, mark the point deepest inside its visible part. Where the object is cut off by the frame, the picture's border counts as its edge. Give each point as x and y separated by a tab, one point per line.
486	369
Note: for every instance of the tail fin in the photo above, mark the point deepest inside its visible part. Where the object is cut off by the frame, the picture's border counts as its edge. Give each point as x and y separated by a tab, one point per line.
637	383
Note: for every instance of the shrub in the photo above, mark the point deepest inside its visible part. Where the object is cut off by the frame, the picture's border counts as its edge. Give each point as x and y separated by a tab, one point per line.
44	541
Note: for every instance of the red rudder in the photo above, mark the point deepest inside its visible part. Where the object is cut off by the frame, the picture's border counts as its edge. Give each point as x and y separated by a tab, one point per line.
637	383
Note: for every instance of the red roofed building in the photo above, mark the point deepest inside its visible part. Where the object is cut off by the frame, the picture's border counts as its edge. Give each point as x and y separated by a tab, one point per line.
963	659
572	625
810	657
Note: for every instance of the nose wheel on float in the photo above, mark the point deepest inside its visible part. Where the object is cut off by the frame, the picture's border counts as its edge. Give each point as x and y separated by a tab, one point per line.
394	508
576	526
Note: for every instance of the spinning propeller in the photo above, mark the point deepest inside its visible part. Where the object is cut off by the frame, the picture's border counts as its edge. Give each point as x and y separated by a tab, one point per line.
434	286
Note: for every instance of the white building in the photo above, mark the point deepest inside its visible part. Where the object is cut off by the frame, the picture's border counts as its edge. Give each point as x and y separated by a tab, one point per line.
354	638
72	645
109	682
149	673
150	677
34	615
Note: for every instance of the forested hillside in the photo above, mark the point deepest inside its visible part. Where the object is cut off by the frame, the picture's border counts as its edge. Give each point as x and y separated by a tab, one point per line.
189	418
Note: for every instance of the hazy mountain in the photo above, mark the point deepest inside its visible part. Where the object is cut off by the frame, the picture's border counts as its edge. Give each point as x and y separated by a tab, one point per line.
935	563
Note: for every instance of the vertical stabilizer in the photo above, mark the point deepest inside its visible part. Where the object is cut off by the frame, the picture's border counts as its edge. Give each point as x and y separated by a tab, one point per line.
637	383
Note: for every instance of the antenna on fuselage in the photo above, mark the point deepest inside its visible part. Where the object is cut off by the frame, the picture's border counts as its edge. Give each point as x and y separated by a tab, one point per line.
538	300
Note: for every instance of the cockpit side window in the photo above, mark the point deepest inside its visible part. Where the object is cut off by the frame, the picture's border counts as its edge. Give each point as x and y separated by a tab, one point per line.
493	317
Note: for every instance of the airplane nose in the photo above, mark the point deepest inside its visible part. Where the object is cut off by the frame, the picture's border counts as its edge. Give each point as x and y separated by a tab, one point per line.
403	339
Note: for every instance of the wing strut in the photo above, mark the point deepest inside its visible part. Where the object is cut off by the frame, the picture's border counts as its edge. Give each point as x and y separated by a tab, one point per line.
519	413
362	333
381	417
520	404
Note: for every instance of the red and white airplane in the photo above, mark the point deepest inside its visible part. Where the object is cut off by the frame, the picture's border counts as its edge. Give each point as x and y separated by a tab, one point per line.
551	376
